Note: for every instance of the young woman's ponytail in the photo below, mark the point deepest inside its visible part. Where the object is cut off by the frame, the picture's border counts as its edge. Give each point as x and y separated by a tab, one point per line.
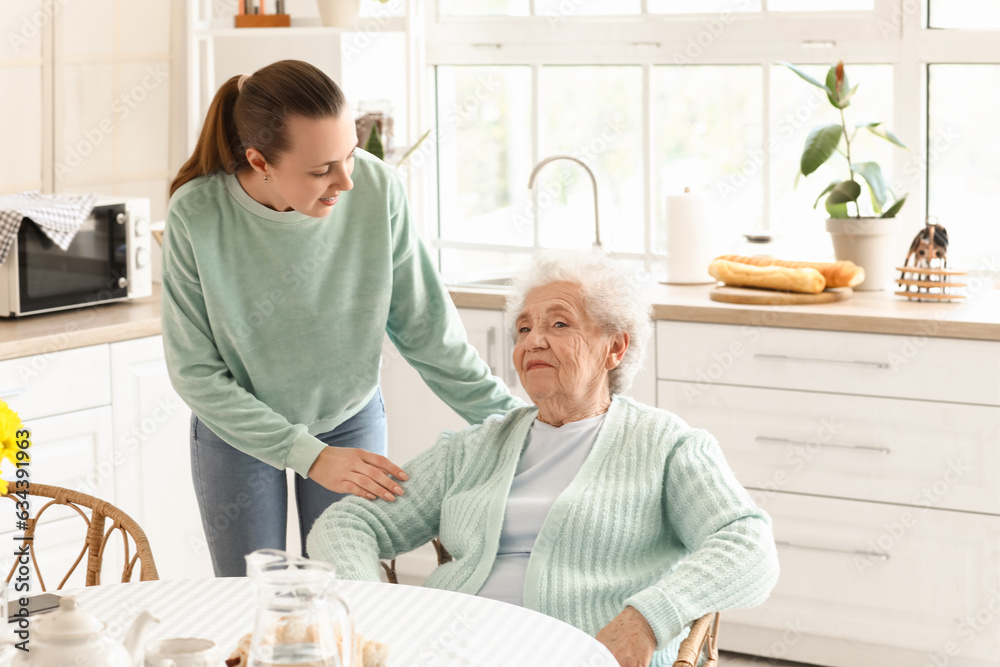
218	145
254	114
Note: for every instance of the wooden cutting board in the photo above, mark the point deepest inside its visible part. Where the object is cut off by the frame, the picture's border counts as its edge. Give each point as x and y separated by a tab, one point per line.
767	297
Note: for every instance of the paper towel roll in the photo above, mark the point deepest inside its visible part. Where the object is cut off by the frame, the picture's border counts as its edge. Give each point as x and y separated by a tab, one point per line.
689	244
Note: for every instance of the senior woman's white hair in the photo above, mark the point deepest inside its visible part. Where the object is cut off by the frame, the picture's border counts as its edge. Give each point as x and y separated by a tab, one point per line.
611	296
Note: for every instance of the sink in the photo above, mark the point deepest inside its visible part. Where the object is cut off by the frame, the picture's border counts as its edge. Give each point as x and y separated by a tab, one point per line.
497	283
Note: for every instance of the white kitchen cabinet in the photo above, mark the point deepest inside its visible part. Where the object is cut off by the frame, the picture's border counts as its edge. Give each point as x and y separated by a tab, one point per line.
878	459
416	417
56	382
880	449
152	459
876	583
105	421
73	450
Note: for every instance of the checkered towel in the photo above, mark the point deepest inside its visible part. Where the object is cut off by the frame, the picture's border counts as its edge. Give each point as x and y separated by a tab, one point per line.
58	216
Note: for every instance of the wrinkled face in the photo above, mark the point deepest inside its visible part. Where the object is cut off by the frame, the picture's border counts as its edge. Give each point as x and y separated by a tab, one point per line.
561	353
317	167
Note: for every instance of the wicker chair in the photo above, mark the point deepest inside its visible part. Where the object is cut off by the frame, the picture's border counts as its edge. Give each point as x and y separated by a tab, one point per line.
97	537
702	639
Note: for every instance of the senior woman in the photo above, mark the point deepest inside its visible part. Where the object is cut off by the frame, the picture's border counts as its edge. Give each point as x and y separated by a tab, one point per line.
613	516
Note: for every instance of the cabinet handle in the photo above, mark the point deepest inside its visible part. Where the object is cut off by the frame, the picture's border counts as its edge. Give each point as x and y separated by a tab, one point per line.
10	393
856	448
491	342
817	360
853	552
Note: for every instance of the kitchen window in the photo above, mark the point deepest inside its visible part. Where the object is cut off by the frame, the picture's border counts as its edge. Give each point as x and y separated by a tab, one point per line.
657	95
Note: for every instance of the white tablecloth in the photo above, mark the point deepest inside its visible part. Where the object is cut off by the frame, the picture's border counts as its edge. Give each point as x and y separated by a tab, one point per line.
422	626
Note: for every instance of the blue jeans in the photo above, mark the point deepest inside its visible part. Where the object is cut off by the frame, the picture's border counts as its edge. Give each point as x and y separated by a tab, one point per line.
243	501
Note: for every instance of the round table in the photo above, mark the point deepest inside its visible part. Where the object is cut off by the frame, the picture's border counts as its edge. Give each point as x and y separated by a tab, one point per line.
422	626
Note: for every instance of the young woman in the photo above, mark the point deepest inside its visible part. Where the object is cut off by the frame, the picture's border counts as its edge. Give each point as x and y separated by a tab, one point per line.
289	253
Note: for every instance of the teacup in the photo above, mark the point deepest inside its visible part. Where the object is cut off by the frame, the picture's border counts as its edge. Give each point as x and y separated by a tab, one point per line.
182	652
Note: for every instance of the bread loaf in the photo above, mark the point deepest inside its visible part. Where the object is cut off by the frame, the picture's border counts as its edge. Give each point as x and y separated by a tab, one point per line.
837	274
806	280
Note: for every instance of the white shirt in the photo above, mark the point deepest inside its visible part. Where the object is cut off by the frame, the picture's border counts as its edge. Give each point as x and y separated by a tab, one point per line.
549	462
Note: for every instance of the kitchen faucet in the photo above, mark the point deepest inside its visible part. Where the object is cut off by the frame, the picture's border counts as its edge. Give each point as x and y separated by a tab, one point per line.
593	180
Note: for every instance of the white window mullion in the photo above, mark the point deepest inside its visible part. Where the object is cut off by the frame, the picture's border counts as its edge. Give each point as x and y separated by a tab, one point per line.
536	133
652	194
909	175
766	137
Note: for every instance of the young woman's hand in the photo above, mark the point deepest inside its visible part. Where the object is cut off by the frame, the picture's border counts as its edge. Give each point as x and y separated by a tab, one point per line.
364	474
629	638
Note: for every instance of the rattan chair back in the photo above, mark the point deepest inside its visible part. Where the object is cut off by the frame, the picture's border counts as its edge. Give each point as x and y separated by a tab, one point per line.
95	513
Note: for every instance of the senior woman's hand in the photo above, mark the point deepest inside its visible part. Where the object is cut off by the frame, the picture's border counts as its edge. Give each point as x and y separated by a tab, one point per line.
629	638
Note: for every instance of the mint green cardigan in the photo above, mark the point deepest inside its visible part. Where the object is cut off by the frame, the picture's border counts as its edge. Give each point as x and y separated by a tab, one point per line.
654	519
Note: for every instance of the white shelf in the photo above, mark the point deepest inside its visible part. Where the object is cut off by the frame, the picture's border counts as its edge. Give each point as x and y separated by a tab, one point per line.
301	27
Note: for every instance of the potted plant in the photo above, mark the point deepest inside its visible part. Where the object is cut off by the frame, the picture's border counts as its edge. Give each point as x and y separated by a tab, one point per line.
865	240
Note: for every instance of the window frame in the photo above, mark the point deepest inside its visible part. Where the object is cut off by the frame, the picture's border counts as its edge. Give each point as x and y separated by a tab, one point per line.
895	32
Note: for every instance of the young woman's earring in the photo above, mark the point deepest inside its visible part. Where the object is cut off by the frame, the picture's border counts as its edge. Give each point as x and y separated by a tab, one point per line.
265	178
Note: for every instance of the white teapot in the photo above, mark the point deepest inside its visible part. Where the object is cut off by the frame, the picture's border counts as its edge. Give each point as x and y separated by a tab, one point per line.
71	636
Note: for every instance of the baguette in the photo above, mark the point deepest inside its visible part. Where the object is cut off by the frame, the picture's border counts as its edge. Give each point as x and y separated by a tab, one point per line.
837	274
806	280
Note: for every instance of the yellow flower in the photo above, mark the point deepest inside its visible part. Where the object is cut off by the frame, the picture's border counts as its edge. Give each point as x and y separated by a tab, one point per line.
10	424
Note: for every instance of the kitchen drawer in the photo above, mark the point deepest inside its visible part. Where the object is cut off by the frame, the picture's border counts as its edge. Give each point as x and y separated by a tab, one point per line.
75	451
57	382
920	367
943	455
870	574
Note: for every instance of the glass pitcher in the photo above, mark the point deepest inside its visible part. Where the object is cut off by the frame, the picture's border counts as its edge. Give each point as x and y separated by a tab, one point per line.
301	620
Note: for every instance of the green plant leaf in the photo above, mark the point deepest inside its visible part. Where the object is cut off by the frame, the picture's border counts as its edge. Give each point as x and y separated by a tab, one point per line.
879	131
894	209
806	77
844	192
841	101
828	188
836	210
820	145
374	143
846	99
872	174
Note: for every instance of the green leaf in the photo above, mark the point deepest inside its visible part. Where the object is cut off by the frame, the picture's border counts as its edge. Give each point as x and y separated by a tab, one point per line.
820	145
872	174
894	209
413	149
879	131
846	99
844	192
374	143
837	210
806	77
841	101
828	188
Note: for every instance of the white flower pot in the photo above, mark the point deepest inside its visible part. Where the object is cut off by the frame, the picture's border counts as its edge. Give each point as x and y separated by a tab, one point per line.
868	242
339	13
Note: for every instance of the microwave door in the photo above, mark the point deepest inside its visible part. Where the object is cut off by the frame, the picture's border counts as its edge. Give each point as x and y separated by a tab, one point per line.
89	271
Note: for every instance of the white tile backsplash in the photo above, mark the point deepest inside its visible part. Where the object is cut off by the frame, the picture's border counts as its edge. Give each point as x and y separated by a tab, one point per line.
87	27
21	25
85	124
21	129
142	114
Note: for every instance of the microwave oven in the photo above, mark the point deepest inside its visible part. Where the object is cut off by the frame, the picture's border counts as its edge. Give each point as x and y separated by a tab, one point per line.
108	260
